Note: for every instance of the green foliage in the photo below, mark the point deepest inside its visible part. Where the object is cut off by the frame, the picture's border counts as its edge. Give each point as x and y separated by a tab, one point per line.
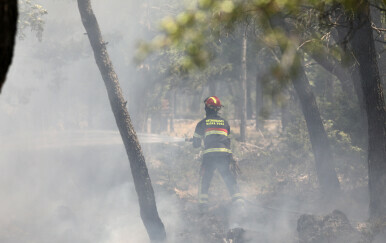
169	68
31	17
191	29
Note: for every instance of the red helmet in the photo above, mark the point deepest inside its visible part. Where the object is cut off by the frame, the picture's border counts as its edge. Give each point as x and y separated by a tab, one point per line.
213	102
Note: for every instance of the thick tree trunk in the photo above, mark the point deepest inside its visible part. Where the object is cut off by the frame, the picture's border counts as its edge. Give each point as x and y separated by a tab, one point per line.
243	120
320	145
143	186
363	47
343	33
325	170
380	38
8	24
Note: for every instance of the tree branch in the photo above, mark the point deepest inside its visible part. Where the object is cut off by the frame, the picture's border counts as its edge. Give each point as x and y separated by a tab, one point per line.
377	28
378	7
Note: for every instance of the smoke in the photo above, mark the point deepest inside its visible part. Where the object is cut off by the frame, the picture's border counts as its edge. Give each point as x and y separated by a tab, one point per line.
59	185
64	173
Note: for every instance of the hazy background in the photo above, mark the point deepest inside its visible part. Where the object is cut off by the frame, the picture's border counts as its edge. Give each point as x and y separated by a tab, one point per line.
65	176
68	193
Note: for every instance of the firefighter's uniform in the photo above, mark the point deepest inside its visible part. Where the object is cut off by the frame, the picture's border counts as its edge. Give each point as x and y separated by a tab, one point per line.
215	130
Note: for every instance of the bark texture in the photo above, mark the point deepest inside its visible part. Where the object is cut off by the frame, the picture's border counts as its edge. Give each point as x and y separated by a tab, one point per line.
8	24
378	18
143	186
325	170
363	47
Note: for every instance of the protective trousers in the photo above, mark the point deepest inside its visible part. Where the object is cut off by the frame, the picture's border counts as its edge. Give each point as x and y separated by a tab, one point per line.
208	166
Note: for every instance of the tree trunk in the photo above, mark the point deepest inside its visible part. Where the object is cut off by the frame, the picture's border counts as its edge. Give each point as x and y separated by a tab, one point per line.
343	33
333	66
143	186
8	24
325	170
291	103
320	145
249	101
363	47
243	120
172	98
259	100
376	16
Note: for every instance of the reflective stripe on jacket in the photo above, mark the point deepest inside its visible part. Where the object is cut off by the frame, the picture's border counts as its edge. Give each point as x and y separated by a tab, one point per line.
214	130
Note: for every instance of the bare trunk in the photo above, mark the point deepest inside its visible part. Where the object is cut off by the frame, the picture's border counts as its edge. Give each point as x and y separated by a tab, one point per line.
8	24
249	101
363	47
320	145
291	103
380	38
343	33
324	164
243	120
259	100
143	186
173	94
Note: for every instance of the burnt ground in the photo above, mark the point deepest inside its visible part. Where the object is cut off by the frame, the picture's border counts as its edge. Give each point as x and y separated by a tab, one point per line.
64	189
275	198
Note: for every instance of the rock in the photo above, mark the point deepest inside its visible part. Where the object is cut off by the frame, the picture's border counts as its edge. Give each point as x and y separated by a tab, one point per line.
334	227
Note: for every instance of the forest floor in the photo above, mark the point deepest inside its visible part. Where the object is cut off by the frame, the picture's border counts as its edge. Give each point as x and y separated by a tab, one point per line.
276	191
72	186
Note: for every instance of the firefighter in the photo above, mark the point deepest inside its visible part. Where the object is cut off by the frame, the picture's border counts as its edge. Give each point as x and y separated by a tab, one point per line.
215	130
